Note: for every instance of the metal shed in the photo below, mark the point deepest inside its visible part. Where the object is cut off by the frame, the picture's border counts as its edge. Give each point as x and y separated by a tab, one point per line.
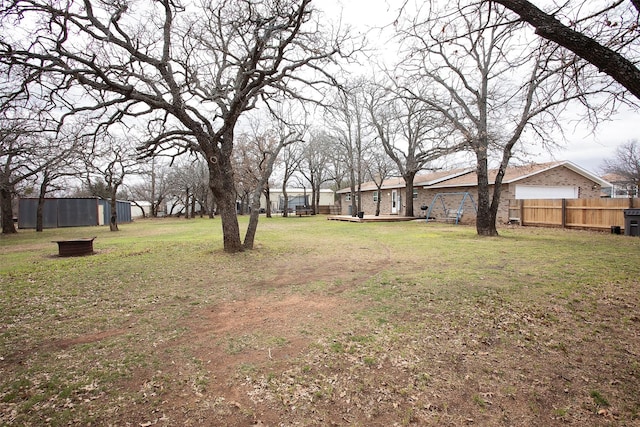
70	212
292	202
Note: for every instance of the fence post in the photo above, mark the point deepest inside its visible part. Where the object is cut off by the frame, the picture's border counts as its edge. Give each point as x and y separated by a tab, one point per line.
522	212
564	213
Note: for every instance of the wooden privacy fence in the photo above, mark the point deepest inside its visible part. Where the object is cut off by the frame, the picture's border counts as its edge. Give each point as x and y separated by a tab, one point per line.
328	210
571	213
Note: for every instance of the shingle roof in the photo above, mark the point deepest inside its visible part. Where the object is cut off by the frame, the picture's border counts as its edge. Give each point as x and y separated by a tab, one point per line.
616	178
420	179
468	177
517	173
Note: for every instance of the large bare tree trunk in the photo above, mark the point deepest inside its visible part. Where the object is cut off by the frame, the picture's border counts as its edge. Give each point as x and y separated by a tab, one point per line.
486	216
186	203
285	198
193	206
228	215
229	219
223	188
41	201
7	212
408	194
354	194
250	236
267	197
113	206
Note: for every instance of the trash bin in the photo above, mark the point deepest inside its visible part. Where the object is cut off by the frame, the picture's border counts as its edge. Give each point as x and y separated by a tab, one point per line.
632	222
360	215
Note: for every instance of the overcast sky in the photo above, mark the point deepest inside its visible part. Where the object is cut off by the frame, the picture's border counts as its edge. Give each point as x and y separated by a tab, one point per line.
585	148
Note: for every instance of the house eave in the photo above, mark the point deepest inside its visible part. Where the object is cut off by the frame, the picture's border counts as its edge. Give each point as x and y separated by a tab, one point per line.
433	183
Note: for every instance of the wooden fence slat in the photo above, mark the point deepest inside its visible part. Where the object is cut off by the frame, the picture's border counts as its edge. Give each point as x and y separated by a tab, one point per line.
575	213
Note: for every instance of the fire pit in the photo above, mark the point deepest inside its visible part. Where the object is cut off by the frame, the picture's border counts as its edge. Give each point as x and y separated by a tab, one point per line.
75	247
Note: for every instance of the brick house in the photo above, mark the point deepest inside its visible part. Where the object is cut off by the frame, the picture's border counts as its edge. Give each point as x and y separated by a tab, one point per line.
554	180
392	192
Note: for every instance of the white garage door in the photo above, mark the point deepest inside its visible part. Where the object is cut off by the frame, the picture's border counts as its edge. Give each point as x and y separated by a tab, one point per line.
544	192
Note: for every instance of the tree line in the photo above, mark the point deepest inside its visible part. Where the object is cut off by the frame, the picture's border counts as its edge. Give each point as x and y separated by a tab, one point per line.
97	88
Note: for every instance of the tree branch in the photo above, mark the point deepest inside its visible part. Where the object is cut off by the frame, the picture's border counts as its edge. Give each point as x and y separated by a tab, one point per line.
605	59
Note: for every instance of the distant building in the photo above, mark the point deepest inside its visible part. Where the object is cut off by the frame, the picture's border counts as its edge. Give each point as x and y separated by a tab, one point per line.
621	187
71	212
555	180
140	209
296	197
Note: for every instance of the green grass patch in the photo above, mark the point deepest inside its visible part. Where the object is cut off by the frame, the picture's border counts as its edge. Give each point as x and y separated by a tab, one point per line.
598	399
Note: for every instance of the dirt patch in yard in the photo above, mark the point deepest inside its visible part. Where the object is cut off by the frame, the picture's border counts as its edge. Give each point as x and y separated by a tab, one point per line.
289	359
223	346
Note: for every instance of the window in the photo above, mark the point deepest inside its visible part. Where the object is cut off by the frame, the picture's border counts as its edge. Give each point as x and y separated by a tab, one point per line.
347	197
415	193
375	196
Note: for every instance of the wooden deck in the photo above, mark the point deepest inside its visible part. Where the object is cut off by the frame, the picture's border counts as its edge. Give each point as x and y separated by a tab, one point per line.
371	218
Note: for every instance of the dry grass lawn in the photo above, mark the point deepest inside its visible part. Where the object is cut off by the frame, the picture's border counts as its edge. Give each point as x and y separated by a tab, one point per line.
325	323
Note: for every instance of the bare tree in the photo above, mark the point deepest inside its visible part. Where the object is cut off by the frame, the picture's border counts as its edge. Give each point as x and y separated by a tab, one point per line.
606	37
411	134
337	172
190	71
290	158
347	119
488	85
28	146
249	159
379	167
61	159
626	162
112	161
313	166
154	187
27	152
201	191
262	150
7	182
17	146
185	181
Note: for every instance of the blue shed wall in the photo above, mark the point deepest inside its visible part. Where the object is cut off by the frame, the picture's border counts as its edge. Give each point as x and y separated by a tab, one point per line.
77	212
69	212
28	211
123	210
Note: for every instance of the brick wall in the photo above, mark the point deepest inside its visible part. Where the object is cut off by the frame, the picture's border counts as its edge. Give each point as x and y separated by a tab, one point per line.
555	177
369	205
